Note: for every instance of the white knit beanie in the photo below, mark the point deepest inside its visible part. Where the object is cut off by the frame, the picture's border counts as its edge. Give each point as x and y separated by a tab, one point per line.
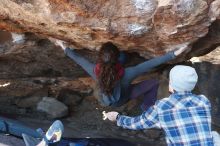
183	78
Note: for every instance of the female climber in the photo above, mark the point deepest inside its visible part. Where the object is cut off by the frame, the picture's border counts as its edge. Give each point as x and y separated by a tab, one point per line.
114	81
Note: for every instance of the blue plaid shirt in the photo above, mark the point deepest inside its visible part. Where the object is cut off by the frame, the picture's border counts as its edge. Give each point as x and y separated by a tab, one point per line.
184	117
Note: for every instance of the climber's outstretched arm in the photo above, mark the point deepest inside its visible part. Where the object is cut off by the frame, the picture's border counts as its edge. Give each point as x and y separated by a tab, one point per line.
80	60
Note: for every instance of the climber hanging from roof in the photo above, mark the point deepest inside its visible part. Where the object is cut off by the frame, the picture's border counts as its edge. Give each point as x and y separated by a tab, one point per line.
114	81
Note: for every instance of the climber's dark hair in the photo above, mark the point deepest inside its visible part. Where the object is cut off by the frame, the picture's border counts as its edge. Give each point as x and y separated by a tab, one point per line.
108	58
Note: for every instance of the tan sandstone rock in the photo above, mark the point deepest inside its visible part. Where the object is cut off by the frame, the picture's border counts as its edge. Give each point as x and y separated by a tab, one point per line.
150	27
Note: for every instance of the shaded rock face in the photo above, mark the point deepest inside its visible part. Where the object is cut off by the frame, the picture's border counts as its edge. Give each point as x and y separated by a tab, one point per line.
5	36
150	27
37	69
208	69
209	85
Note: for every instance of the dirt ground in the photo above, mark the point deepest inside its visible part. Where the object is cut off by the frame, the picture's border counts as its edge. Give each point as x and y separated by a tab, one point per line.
86	121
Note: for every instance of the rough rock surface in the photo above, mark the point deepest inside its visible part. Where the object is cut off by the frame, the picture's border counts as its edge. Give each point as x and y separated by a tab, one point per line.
150	27
52	107
34	70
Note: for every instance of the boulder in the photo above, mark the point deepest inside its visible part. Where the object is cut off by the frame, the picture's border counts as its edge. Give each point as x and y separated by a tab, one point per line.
149	27
52	107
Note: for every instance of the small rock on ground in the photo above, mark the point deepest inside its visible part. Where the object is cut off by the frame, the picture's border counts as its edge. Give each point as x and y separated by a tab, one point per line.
52	107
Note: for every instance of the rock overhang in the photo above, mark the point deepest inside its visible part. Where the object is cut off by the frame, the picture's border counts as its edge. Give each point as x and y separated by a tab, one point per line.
149	27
